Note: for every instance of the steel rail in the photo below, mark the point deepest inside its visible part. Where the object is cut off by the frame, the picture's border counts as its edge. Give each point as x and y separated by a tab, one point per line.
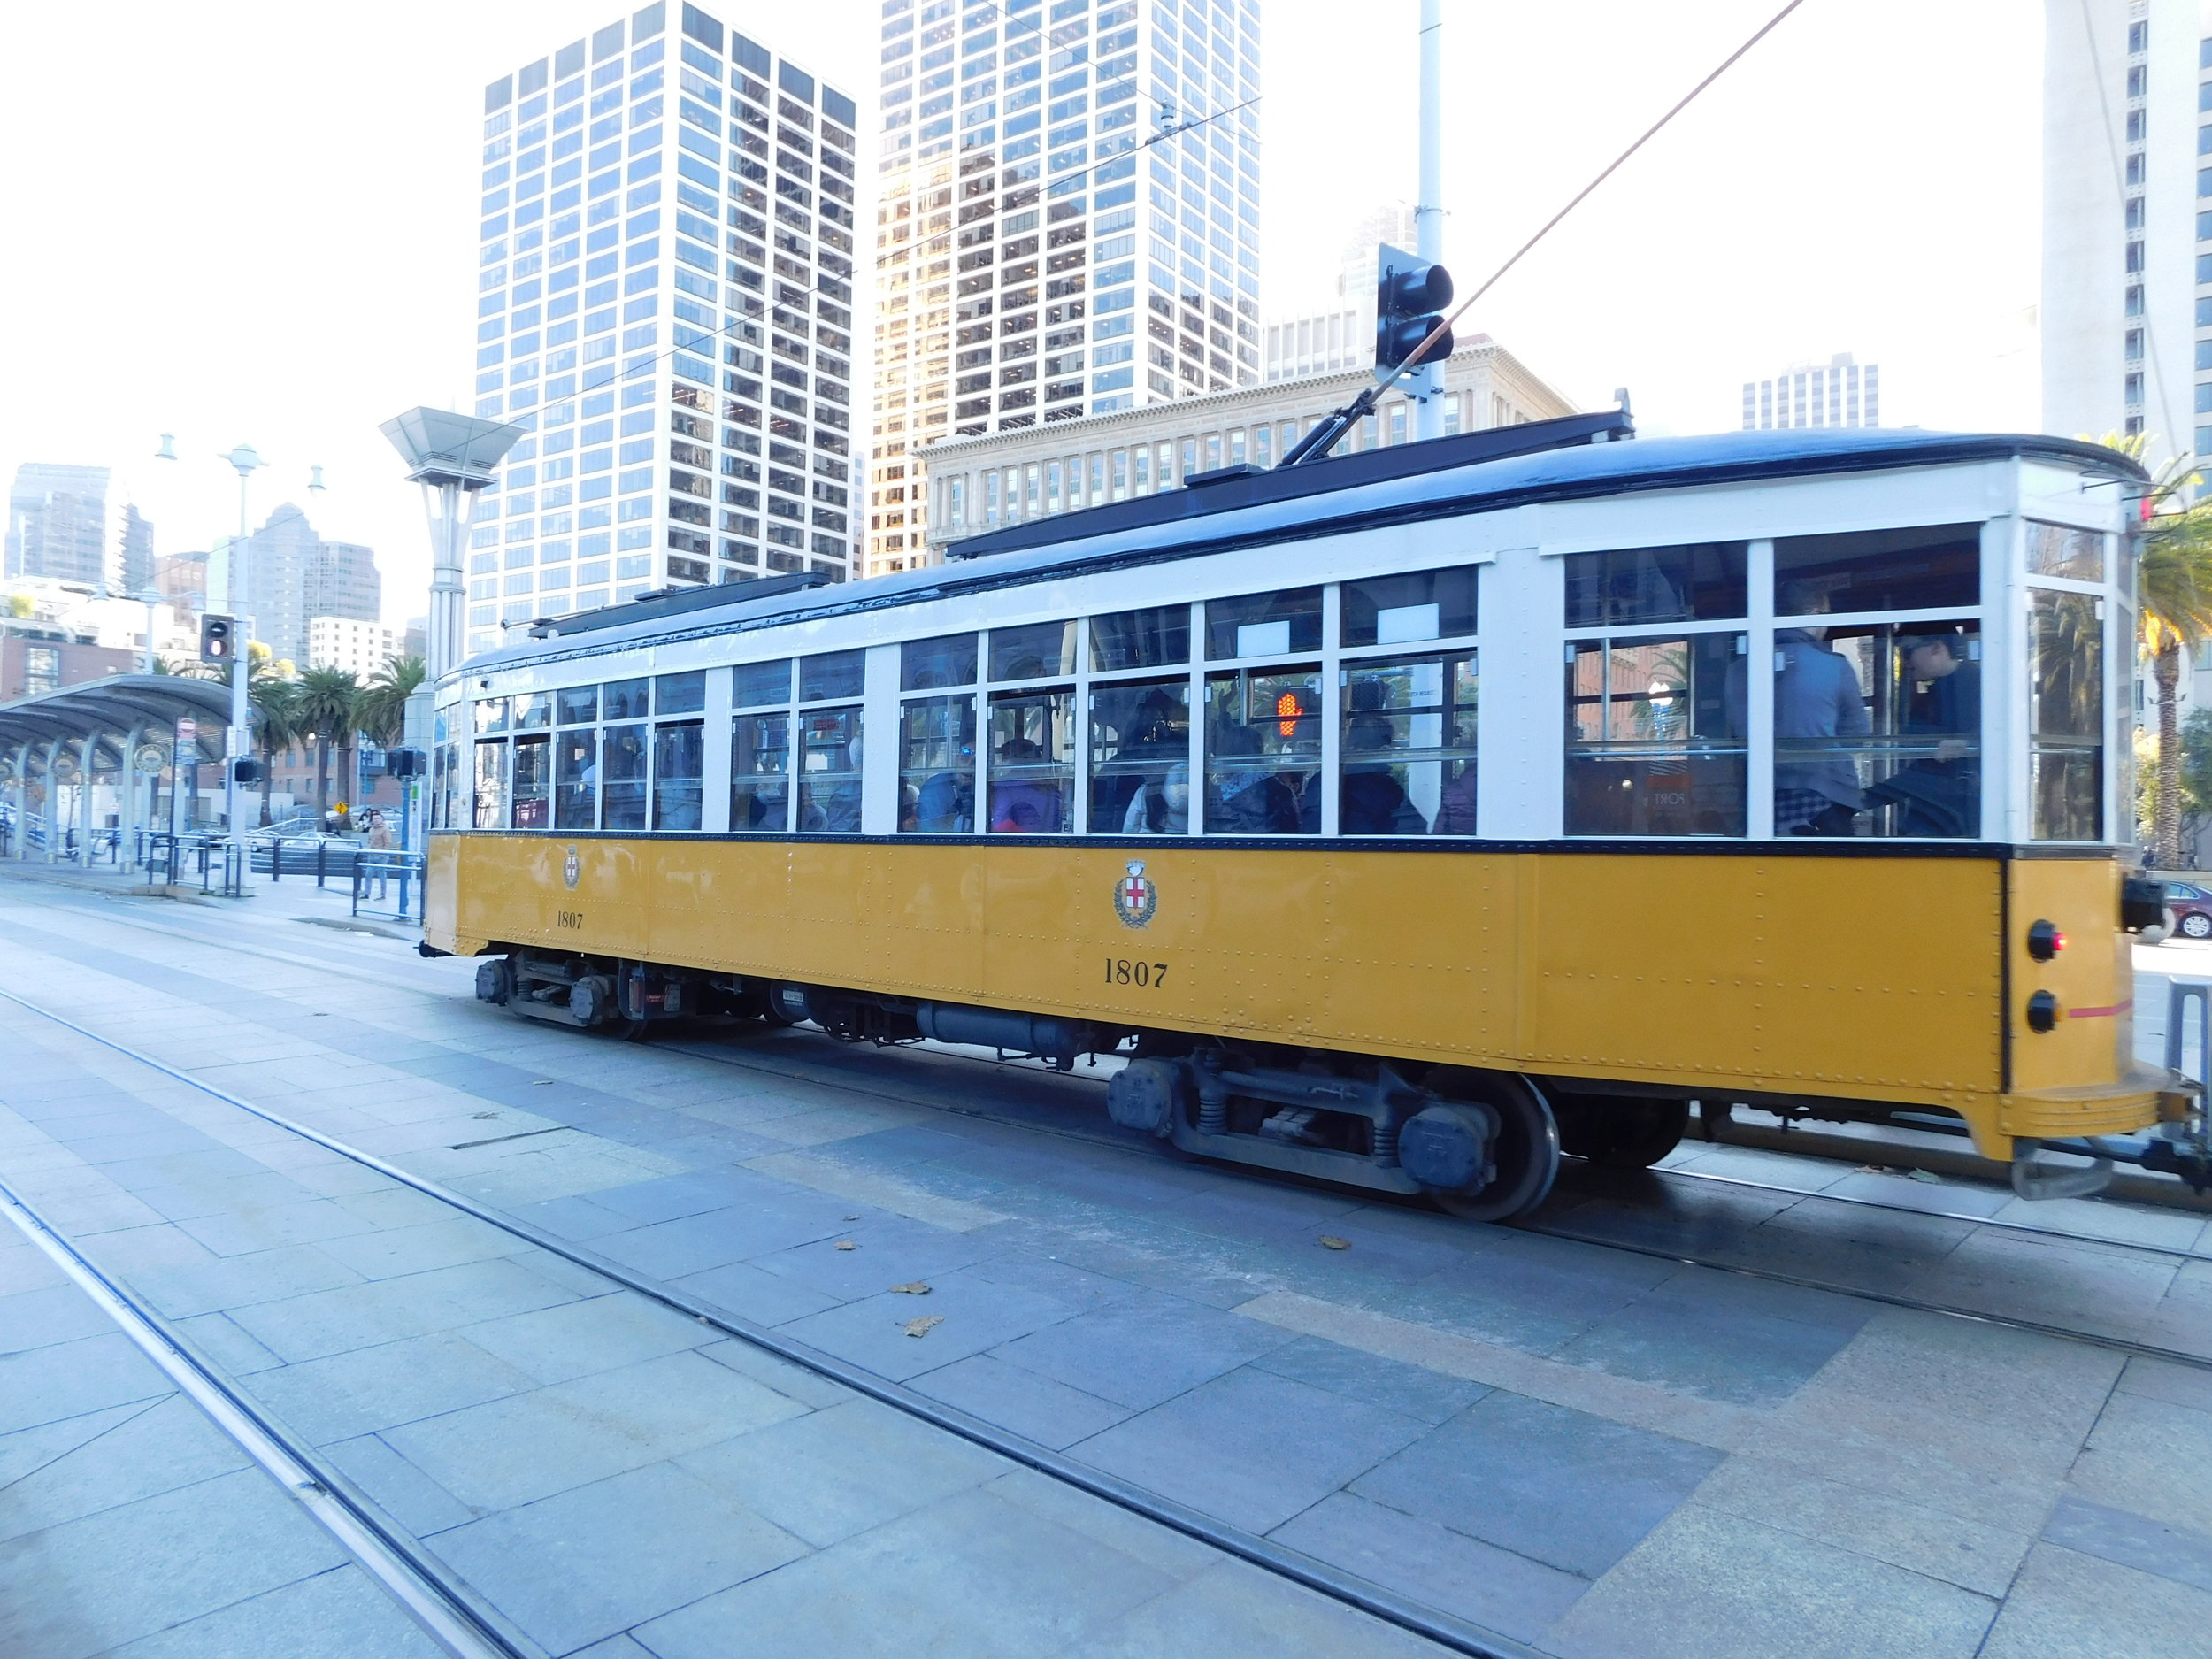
1431	1625
448	1612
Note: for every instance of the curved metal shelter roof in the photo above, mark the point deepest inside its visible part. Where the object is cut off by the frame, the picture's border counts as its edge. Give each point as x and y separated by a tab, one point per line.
99	708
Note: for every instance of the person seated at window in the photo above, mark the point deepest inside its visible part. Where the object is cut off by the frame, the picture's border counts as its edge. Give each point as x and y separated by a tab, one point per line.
1372	801
1020	806
1157	740
1938	795
1455	810
1161	806
945	804
1817	696
1253	802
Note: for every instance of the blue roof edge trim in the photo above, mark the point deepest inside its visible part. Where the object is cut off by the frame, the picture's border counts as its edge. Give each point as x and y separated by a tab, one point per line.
1583	472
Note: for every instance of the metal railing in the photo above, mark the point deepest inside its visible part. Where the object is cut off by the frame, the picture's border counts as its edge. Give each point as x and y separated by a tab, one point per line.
384	872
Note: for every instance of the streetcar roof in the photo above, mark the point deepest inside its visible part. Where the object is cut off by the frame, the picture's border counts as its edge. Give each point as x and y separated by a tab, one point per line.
1370	491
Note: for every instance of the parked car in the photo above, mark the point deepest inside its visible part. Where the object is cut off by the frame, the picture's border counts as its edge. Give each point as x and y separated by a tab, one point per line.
2190	908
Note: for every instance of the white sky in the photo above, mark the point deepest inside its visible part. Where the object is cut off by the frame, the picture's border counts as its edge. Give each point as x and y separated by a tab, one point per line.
257	221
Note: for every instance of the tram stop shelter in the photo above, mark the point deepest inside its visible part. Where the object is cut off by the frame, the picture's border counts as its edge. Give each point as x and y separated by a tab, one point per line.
95	763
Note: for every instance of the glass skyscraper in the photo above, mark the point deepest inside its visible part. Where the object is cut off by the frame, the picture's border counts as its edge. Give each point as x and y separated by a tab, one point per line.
663	305
1042	251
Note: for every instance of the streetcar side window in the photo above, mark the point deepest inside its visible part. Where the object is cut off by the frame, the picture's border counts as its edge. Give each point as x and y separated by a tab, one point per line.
761	685
1140	782
577	705
1931	568
1401	609
1878	729
1263	624
1155	637
534	782
2060	550
532	713
491	715
1031	762
1703	581
491	784
1041	650
934	664
760	747
624	699
680	693
1407	762
576	779
678	771
1264	750
1654	737
2066	717
937	737
829	769
623	750
832	677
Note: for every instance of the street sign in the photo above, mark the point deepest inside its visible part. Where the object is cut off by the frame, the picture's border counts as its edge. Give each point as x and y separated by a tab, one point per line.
187	730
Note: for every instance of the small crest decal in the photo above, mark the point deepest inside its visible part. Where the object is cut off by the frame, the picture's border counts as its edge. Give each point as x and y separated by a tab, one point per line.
1135	898
572	868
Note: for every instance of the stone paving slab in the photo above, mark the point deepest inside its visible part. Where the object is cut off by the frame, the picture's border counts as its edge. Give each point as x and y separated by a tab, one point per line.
1574	1445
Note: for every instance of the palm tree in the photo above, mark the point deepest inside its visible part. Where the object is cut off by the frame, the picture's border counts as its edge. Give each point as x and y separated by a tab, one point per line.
276	726
383	713
327	699
2173	611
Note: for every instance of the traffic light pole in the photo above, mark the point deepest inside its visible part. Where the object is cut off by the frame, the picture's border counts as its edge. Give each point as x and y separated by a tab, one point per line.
1427	384
236	744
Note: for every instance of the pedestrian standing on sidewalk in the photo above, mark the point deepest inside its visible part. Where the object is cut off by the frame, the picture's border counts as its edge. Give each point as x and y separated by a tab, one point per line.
380	842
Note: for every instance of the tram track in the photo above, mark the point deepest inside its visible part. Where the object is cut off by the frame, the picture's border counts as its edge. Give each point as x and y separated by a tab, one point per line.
305	1475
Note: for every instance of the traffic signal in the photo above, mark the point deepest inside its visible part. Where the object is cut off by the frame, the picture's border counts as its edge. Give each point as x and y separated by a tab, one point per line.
1410	299
218	642
405	763
246	770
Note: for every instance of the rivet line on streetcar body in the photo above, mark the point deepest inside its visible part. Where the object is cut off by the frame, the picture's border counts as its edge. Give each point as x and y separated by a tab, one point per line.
1446	1631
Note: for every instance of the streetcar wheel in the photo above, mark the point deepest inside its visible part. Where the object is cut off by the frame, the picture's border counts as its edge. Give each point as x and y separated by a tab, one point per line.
2196	924
1621	1134
1525	1153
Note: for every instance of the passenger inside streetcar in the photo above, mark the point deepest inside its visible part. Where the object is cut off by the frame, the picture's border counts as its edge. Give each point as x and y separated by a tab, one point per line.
1939	793
1021	805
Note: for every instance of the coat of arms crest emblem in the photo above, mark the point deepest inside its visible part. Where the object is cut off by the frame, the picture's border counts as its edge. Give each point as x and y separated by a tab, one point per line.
572	868
1135	898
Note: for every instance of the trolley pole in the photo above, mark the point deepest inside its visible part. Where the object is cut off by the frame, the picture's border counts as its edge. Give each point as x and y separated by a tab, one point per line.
1428	214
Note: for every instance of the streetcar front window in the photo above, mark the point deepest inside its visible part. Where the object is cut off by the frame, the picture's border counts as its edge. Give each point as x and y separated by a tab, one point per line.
1654	747
2066	718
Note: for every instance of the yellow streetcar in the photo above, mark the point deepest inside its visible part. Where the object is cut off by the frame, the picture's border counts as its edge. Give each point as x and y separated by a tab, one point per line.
1399	819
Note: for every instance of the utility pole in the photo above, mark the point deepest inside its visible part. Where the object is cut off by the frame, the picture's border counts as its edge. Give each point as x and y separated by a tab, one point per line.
1428	214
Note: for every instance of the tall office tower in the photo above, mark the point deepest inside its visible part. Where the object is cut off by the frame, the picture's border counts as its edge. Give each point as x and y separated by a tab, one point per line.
1840	392
2126	312
1037	257
136	536
293	574
57	519
665	307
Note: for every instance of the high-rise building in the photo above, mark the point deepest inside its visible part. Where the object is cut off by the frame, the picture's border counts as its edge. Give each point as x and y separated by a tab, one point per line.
664	305
135	548
1841	392
359	648
292	575
58	523
1044	249
2126	310
1342	336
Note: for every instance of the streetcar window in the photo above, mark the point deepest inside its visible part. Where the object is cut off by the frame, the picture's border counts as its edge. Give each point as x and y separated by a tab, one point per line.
1878	570
624	700
578	705
1878	729
937	765
760	768
1700	581
678	758
1263	752
1651	746
761	685
932	664
680	693
491	715
534	782
1140	758
837	674
2058	550
576	780
1033	761
1154	638
1407	757
1420	605
491	785
533	713
2066	718
1263	624
829	768
1035	652
622	757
